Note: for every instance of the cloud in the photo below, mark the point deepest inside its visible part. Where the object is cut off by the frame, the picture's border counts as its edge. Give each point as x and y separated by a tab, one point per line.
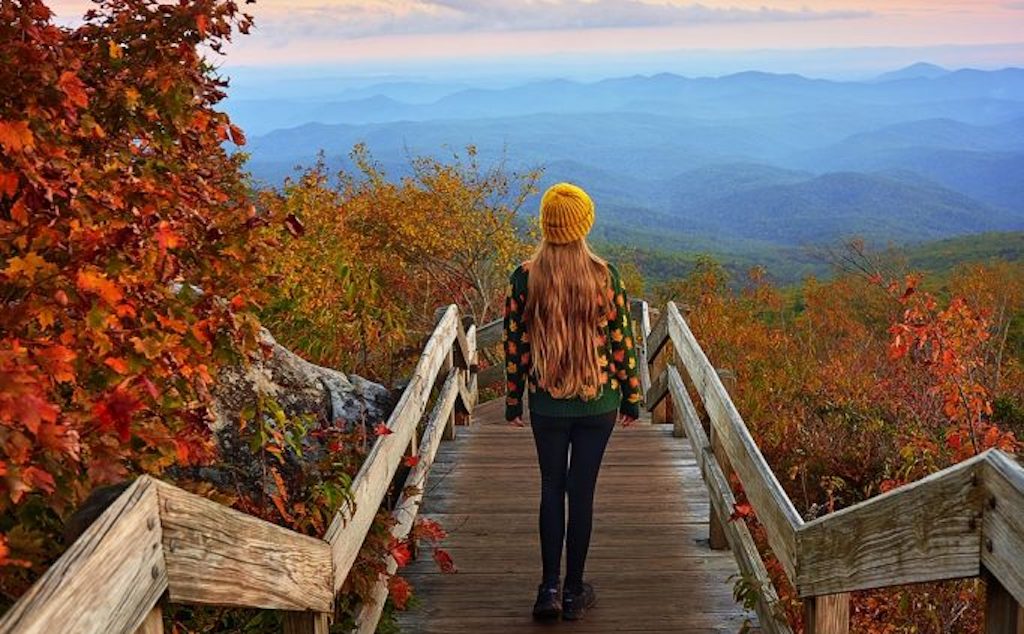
354	19
1014	6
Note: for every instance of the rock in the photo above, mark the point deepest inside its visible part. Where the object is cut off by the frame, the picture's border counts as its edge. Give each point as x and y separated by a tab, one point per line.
329	398
300	388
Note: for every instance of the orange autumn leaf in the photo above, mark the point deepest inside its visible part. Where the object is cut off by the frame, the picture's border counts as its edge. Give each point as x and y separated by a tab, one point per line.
166	238
15	135
98	284
73	89
117	364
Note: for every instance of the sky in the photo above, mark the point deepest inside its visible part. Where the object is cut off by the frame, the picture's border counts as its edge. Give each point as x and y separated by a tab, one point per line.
404	34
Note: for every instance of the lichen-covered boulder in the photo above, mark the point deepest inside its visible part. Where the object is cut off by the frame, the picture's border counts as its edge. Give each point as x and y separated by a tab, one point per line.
300	388
320	397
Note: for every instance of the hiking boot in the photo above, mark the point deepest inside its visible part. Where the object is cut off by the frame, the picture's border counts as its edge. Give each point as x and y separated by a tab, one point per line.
547	607
576	601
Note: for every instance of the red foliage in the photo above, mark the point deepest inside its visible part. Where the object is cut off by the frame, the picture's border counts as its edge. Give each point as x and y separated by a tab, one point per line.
122	221
867	385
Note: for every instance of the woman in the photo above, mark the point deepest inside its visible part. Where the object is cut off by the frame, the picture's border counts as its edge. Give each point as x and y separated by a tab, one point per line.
568	339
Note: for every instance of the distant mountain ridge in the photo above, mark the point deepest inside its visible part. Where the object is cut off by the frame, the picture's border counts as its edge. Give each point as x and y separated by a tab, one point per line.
915	71
749	163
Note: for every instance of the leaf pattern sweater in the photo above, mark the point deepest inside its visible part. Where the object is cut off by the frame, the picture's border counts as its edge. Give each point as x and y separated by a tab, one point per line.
620	387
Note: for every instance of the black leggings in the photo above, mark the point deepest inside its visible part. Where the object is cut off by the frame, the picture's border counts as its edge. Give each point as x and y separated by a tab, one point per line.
587	436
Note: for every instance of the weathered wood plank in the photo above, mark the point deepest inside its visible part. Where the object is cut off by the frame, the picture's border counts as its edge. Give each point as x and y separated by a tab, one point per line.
487	480
489	334
491	374
1002	550
153	623
449	369
219	556
924	531
408	506
107	581
657	391
463	354
350	525
658	338
306	623
773	507
828	614
641	332
738	536
1003	613
716	530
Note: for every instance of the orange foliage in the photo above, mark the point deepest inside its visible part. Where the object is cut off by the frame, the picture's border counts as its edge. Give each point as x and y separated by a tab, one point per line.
122	222
866	384
376	256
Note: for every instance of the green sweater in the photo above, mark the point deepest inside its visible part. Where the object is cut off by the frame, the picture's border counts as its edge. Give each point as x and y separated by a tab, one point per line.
621	387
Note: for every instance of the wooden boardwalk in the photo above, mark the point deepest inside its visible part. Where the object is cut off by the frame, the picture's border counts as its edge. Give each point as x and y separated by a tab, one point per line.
649	558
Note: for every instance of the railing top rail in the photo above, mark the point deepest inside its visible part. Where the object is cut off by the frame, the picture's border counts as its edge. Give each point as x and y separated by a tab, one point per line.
156	537
949	524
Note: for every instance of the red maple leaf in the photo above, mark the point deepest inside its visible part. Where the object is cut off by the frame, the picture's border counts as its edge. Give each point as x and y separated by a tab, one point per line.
430	530
381	430
399	550
400	591
411	461
741	510
444	561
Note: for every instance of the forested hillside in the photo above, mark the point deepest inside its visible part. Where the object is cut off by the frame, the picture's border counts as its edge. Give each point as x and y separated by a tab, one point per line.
744	166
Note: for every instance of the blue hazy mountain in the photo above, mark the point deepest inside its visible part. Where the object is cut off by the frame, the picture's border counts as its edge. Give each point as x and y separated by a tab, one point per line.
746	163
915	71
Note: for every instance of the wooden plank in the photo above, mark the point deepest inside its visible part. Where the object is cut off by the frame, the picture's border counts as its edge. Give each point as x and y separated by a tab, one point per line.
641	331
923	531
492	374
408	506
489	334
350	525
219	556
738	536
306	623
1002	550
107	581
467	386
153	623
1003	613
686	414
658	338
463	353
659	545
773	507
448	369
657	391
828	614
716	531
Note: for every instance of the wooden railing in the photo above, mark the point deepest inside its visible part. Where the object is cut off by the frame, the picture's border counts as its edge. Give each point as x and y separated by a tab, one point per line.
156	538
964	521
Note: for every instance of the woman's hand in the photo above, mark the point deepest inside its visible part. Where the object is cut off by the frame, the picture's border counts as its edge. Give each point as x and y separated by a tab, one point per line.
626	421
517	422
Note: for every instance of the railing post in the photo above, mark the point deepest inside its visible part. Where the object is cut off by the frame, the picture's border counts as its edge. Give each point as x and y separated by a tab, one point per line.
306	623
716	531
662	412
1003	613
827	614
154	623
449	427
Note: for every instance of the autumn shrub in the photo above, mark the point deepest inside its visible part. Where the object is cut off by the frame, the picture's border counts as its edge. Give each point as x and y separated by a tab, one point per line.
126	235
864	383
129	249
377	256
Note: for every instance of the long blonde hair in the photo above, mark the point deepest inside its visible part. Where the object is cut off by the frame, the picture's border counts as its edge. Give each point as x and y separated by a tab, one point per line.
567	301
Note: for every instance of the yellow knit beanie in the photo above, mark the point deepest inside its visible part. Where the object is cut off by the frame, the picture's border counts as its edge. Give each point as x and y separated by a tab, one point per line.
566	214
